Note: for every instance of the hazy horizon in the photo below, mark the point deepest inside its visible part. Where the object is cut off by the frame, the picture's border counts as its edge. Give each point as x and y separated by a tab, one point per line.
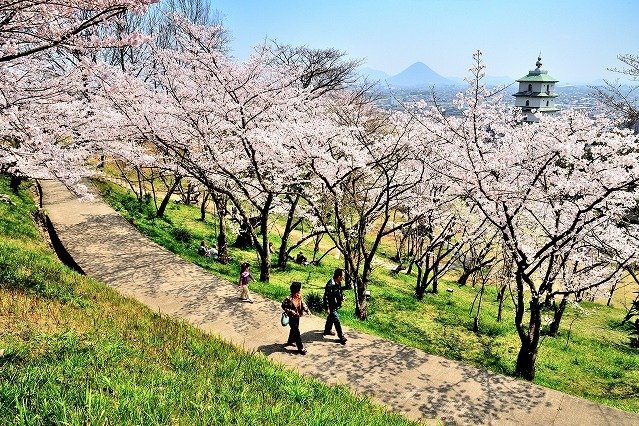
578	40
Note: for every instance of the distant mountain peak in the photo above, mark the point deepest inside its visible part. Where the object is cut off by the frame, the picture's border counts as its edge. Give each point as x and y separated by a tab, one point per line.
418	74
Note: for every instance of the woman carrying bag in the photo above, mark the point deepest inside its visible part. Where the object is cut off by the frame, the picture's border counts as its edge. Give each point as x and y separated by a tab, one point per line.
294	308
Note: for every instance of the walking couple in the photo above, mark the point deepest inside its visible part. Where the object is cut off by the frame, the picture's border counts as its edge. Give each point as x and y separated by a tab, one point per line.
295	307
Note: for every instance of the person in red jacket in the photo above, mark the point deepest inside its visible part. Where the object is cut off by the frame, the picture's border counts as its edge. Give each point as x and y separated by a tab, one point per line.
294	307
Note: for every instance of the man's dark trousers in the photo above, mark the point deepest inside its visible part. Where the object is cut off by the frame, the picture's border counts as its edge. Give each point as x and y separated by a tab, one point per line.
333	318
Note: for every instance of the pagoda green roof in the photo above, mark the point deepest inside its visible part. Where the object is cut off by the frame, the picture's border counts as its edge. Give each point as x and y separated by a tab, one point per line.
531	78
536	94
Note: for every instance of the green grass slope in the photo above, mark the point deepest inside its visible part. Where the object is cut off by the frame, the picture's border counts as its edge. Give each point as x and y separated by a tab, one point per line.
73	351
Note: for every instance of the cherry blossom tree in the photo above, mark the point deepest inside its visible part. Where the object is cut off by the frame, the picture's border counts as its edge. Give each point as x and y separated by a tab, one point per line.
35	139
359	179
39	86
323	72
545	187
232	126
28	27
620	98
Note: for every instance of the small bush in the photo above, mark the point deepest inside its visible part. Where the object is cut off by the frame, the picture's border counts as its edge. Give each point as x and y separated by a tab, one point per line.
183	235
314	302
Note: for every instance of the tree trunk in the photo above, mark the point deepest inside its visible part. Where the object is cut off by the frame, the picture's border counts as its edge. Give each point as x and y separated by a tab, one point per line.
550	299
220	208
559	312
140	184
244	236
167	198
463	279
153	192
282	257
400	248
317	241
203	206
411	262
262	249
265	267
526	359
419	288
527	356
361	308
15	182
40	193
500	298
481	298
222	246
348	279
612	292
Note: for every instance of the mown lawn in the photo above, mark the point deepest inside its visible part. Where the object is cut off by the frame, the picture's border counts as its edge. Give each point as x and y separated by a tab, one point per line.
74	352
589	358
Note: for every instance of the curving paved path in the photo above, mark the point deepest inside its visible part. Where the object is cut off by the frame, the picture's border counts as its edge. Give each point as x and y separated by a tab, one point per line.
420	386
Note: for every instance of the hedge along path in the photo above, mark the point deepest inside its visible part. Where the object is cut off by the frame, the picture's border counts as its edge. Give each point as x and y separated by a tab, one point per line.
409	381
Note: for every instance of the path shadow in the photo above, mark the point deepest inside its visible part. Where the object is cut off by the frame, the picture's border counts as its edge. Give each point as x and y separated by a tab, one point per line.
307	337
402	377
313	336
277	348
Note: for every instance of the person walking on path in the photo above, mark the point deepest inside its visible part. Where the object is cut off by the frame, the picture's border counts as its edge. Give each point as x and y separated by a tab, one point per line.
294	307
333	297
245	276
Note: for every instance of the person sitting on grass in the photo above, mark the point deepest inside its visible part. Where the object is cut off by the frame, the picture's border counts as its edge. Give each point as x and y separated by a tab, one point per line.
301	259
212	252
201	250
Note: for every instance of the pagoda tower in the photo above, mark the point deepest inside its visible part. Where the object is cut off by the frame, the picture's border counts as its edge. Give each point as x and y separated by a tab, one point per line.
536	94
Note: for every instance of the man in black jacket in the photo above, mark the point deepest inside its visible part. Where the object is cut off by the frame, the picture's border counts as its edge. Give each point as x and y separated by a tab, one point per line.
333	297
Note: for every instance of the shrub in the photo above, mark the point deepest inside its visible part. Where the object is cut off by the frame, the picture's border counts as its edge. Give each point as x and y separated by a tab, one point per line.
314	302
183	235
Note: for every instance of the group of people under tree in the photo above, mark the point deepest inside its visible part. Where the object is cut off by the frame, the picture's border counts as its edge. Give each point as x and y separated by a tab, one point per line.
211	252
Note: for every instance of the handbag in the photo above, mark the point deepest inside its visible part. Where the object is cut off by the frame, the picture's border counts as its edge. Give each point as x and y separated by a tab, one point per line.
284	320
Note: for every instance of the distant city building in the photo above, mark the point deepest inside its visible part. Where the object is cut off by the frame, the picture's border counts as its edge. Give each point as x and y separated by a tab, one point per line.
536	94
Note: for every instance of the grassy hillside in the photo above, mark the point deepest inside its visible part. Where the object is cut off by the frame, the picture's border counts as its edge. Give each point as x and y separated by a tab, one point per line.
72	351
589	358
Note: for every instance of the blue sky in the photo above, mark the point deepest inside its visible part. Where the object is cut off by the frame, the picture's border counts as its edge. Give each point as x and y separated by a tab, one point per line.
578	39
